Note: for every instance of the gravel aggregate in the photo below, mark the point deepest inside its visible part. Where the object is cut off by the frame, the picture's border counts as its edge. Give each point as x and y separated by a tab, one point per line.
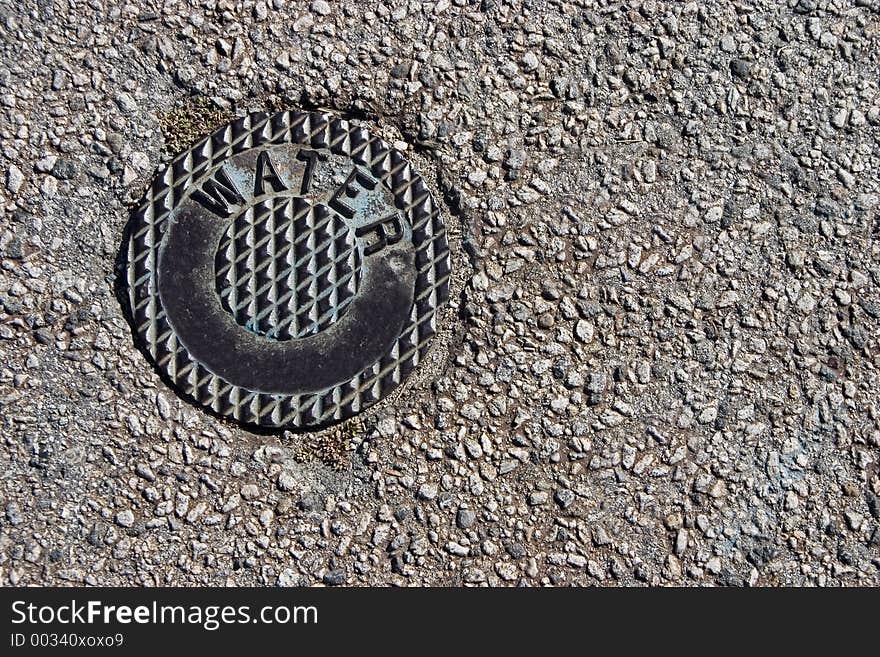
660	364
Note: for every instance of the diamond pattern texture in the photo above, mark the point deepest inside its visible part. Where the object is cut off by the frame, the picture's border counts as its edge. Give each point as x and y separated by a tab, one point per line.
317	131
285	269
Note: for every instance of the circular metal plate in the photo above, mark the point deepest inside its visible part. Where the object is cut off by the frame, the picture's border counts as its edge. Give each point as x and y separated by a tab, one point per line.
286	270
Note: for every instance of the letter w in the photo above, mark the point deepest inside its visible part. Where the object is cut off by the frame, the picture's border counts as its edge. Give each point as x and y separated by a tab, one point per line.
218	193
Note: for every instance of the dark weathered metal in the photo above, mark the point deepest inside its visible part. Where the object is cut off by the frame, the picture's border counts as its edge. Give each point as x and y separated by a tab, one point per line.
286	270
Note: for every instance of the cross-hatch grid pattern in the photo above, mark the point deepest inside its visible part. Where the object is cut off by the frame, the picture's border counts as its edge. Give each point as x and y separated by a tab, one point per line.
286	269
318	131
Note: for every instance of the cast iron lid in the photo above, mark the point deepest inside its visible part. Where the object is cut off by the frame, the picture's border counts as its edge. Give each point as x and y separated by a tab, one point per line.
286	271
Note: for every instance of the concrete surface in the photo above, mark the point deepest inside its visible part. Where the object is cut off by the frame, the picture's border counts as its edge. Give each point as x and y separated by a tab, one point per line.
660	363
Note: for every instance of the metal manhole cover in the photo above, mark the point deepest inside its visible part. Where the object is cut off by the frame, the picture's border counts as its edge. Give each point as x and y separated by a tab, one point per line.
287	269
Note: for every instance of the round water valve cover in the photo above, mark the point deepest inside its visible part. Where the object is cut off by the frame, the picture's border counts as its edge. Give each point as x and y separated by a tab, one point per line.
286	271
